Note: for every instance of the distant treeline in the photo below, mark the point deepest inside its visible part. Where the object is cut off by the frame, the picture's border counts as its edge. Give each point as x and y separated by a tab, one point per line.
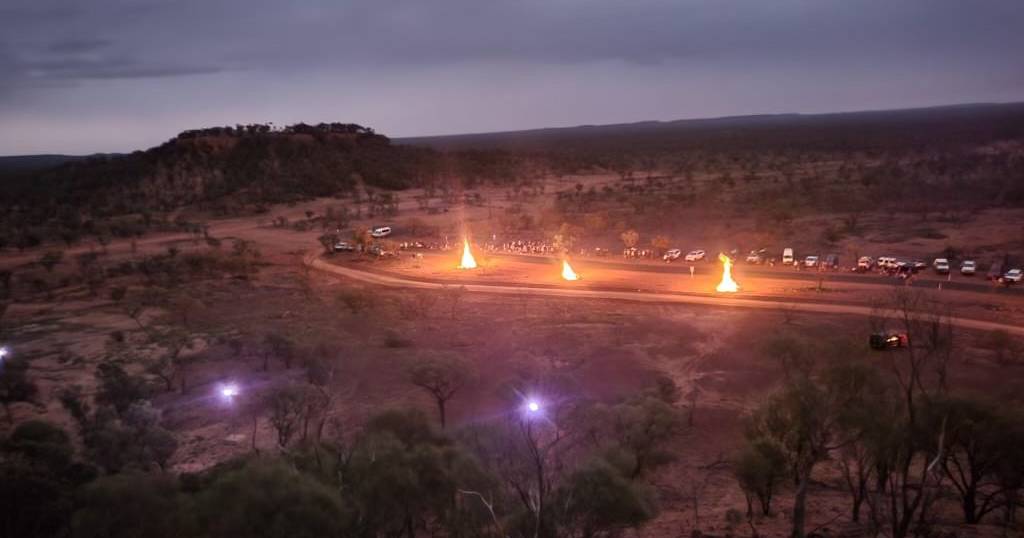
921	159
227	170
889	130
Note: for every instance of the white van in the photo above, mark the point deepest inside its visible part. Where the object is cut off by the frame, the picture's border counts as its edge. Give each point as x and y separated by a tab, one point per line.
380	231
787	256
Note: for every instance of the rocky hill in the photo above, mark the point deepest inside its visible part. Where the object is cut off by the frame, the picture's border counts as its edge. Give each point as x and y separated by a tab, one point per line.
243	164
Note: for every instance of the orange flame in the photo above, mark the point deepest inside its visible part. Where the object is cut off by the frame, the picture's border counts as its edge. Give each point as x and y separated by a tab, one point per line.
468	262
567	272
727	285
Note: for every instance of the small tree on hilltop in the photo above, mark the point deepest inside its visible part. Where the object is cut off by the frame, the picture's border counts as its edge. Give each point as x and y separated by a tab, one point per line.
280	346
287	408
660	244
356	300
272	499
172	363
598	499
50	260
15	386
978	438
328	241
630	238
362	239
760	471
805	420
130	504
442	377
565	238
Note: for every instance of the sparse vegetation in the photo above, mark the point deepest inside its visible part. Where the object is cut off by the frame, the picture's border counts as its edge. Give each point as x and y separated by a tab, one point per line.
335	386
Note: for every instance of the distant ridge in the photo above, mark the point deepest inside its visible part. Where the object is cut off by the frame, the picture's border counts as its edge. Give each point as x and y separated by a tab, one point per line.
525	139
28	163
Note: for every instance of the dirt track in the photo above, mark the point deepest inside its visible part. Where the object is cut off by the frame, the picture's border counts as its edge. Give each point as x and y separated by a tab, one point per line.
718	301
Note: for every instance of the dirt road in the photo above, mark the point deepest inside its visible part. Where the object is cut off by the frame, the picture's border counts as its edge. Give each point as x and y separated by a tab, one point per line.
924	281
717	301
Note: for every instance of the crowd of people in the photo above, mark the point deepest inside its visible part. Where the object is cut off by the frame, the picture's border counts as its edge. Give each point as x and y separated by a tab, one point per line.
522	247
639	254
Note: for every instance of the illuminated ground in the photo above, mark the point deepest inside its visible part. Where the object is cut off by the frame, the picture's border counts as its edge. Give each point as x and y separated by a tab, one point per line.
814	292
612	332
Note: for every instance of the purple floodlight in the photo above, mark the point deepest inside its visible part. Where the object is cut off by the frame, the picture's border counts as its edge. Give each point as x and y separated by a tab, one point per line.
229	391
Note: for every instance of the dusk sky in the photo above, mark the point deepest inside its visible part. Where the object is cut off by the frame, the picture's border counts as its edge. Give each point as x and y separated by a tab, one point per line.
83	76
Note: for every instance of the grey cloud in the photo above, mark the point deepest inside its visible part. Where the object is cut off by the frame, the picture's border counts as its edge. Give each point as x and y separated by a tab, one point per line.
77	46
274	34
849	53
75	68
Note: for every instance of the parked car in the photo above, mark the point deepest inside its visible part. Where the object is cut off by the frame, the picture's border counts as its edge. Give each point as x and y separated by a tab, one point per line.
1013	276
695	255
380	231
787	256
919	265
886	262
756	256
995	271
380	252
968	267
865	263
831	261
811	261
903	269
941	266
881	341
672	255
344	246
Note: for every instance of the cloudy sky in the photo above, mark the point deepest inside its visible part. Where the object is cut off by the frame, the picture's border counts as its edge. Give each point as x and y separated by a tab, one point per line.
81	76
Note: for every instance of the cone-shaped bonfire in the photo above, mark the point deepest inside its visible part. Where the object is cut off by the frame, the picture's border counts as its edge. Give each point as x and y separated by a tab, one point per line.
567	272
468	262
727	285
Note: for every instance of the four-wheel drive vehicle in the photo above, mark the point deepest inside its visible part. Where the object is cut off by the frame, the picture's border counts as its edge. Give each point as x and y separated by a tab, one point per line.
672	255
380	231
865	263
1013	275
941	266
344	246
968	267
811	261
787	256
887	262
883	341
696	255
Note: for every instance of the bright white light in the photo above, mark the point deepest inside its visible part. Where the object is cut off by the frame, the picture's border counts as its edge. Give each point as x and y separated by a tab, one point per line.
229	391
4	352
533	406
